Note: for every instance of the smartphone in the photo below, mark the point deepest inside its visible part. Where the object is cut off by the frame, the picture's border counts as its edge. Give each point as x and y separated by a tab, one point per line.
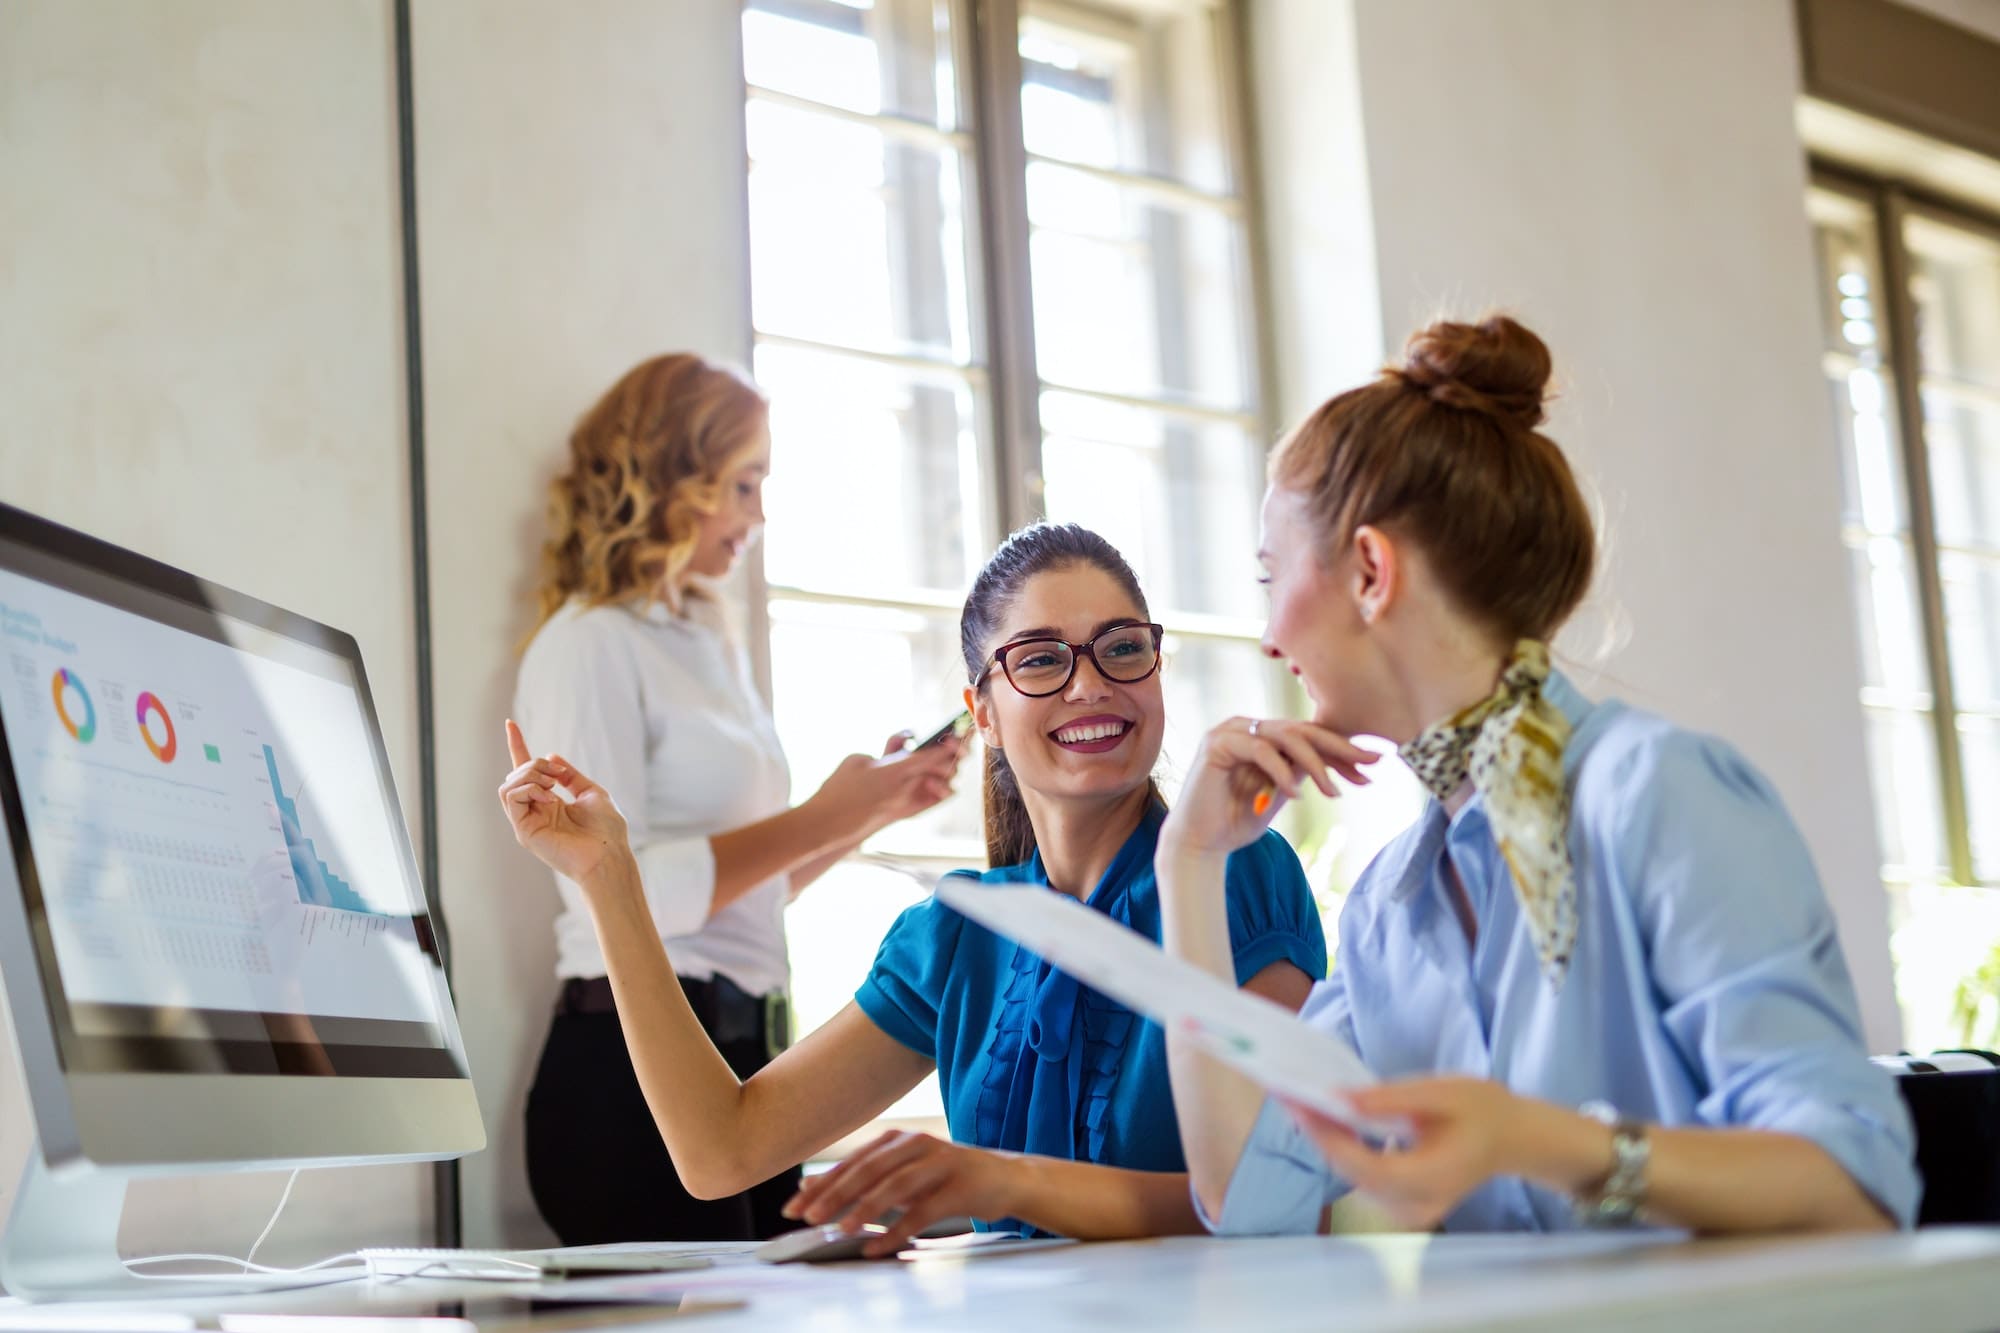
961	722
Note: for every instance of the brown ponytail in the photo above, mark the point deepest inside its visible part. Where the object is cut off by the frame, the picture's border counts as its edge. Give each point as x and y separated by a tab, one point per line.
1010	836
1443	449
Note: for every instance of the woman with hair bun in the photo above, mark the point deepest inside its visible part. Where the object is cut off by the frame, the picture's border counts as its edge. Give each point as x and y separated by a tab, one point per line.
633	674
1058	1100
1599	974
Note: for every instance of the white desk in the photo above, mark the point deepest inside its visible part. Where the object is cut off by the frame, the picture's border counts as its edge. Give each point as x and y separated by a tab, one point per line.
1940	1279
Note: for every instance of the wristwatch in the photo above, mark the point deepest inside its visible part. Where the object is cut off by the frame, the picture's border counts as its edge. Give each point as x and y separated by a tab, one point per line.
1616	1203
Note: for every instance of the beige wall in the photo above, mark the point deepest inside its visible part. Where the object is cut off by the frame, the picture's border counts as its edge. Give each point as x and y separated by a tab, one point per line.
1627	179
581	205
200	358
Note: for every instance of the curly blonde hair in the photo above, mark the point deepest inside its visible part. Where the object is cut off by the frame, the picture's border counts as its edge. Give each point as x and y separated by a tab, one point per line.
646	464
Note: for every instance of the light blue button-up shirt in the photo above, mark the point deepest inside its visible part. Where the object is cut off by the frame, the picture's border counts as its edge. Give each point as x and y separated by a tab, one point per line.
1706	986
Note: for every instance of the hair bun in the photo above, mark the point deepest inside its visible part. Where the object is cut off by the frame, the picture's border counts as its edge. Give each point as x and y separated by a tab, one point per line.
1495	366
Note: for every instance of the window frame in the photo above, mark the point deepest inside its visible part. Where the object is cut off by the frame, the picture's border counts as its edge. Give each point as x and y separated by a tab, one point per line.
1891	203
1000	365
1003	371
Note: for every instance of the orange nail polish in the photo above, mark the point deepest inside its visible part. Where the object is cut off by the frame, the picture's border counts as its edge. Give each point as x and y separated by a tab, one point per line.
1263	802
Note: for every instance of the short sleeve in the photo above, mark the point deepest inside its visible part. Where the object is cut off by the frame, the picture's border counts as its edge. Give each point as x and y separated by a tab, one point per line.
580	696
1282	1184
1754	988
1272	915
904	989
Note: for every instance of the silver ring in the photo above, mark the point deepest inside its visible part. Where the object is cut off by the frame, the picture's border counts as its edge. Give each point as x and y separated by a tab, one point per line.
1253	725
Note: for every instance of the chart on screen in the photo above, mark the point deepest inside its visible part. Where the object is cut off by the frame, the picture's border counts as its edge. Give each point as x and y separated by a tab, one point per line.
206	818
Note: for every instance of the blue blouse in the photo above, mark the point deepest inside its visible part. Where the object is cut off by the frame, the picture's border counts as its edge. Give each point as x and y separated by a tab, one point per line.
1707	986
1032	1061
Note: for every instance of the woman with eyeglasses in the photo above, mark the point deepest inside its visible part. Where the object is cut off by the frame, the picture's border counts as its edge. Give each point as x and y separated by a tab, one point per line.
1599	973
1058	1100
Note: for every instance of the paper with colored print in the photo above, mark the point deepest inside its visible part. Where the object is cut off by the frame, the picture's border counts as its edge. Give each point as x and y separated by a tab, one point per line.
1263	1041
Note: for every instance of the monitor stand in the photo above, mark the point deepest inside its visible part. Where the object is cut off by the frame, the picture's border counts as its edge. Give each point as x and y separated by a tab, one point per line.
61	1242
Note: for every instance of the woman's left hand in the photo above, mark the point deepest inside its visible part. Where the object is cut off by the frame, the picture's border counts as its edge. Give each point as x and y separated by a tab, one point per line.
1464	1131
920	1178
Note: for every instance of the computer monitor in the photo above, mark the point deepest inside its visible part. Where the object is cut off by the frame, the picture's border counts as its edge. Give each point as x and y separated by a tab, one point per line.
214	939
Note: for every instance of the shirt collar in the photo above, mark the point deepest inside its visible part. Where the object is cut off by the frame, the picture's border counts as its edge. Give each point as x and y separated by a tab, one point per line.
1134	858
1436	826
695	613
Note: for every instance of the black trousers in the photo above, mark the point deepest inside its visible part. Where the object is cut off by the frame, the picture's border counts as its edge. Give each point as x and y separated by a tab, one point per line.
597	1167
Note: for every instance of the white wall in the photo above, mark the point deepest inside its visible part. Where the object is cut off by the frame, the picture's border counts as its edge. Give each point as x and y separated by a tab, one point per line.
200	358
199	275
1627	179
1325	301
581	207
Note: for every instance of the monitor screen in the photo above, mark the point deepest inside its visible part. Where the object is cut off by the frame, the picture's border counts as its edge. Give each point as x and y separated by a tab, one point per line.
216	874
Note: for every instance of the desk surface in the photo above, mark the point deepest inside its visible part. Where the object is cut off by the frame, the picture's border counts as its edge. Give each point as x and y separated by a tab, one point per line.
1937	1279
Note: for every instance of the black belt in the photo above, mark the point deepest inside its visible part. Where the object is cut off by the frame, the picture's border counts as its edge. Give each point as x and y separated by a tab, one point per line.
728	1012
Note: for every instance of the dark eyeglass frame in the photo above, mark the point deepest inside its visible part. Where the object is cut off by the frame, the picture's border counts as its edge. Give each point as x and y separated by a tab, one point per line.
1077	652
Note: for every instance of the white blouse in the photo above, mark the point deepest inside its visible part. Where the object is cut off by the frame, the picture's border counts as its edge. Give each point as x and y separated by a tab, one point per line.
661	712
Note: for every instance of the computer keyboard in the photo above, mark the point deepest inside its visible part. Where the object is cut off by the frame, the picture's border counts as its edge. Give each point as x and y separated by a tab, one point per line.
541	1265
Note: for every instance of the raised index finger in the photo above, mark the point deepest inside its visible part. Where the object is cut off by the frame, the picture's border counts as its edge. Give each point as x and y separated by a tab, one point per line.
517	744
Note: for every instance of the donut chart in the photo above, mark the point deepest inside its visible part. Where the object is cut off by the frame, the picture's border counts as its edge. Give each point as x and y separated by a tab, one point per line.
82	732
162	750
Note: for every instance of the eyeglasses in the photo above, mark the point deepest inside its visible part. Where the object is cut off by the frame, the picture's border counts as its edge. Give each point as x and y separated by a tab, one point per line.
1039	667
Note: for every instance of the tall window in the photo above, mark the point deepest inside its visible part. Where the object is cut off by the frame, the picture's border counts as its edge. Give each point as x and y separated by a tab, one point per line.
1000	271
1911	296
1146	376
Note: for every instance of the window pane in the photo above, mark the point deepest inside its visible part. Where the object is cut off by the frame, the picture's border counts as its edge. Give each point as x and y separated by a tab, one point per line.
836	927
1178	497
837	422
1871	464
1892	641
1902	764
1204	682
1850	275
1130	87
1941	936
1963	437
1972	628
1979	741
856	238
1902	742
1133	296
1955	281
846	678
873	56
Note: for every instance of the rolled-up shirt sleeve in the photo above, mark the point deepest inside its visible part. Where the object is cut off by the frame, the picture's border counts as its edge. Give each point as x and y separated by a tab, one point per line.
1282	1184
1756	990
679	877
580	696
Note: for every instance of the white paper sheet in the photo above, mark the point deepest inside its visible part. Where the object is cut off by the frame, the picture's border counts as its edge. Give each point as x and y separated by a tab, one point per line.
1264	1041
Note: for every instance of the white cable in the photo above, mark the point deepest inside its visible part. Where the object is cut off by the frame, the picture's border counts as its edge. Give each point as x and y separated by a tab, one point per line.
245	1265
242	1265
250	1259
293	1281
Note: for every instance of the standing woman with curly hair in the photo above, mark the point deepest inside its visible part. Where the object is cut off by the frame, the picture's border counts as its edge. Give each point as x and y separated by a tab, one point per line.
633	675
